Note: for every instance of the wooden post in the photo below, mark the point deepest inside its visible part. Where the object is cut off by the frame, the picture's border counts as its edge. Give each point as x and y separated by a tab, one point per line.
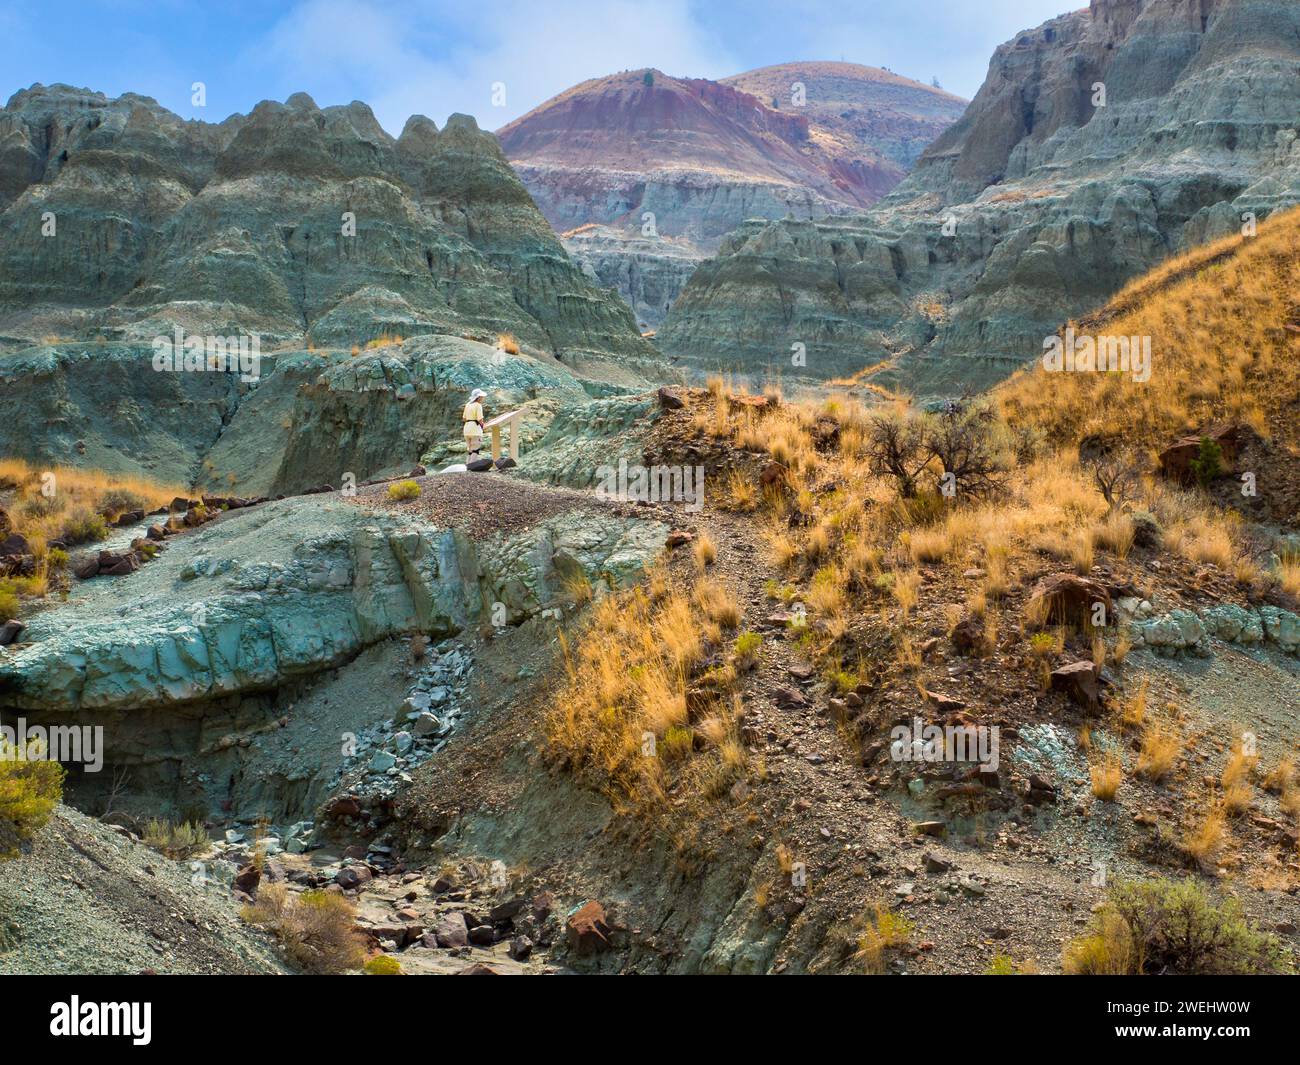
510	420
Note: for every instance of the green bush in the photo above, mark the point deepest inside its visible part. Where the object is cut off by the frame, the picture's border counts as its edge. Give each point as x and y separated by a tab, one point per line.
403	490
85	527
316	929
8	599
29	791
747	645
1172	927
382	965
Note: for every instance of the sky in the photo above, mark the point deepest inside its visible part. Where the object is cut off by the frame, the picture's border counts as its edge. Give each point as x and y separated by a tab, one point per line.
494	59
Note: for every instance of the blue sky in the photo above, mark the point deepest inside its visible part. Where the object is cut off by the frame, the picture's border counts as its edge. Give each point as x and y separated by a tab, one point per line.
438	57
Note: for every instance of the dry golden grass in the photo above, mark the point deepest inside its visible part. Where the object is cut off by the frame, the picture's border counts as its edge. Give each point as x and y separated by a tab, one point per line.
882	930
1237	790
1220	349
1115	534
1281	777
1107	775
906	589
741	493
705	552
1288	575
1205	840
1159	751
1132	710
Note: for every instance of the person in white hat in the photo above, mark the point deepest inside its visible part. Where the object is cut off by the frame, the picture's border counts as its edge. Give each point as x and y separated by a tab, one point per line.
473	418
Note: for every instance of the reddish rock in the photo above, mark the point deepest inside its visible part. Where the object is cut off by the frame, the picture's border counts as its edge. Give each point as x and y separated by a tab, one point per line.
587	930
15	544
17	565
247	879
678	537
1176	460
87	568
543	905
343	806
968	635
945	704
670	400
477	969
774	475
451	931
351	877
1067	598
1080	681
156	532
118	564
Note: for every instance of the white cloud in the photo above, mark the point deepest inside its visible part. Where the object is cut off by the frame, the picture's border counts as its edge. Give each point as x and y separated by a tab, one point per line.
439	58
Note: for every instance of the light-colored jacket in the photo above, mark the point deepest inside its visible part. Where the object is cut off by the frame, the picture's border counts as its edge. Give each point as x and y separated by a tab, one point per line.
472	417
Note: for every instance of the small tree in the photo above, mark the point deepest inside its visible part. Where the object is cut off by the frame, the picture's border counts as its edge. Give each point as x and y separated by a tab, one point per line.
1208	463
1117	478
895	447
964	438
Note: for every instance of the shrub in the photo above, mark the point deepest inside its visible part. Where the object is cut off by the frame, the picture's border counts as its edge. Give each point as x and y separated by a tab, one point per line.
401	491
883	930
507	343
382	965
1208	463
746	648
84	528
1172	927
8	599
316	929
176	840
30	787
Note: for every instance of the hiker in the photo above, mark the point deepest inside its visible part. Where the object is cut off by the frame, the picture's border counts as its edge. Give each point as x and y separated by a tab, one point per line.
473	418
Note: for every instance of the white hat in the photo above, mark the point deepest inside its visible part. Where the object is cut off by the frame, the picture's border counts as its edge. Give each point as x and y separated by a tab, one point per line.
478	393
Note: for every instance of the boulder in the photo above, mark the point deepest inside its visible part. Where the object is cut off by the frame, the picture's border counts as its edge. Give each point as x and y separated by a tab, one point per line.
118	563
670	399
10	631
351	877
86	568
587	931
15	544
1067	598
451	931
247	879
1080	681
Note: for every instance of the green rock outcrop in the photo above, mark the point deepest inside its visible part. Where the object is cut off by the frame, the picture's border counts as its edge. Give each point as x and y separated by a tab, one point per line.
291	588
